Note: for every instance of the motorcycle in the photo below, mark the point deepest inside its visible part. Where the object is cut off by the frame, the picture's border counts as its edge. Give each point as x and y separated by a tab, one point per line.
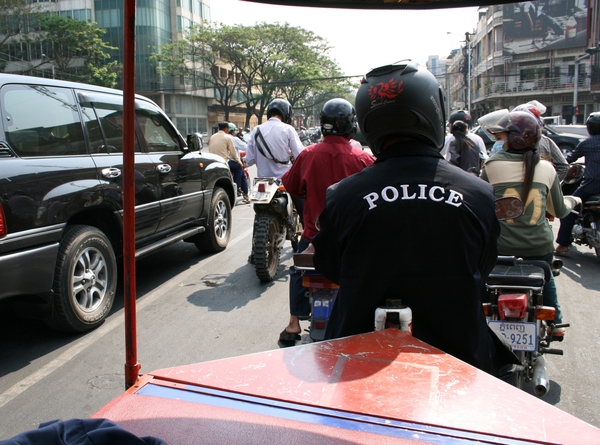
275	221
322	294
516	313
515	310
586	230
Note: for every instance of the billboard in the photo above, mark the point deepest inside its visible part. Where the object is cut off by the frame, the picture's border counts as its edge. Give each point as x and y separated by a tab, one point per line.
544	25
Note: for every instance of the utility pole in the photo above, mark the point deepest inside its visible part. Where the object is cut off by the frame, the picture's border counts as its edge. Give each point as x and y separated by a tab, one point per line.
576	85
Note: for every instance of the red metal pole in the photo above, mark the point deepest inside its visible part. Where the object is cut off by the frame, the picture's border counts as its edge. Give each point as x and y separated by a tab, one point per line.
132	367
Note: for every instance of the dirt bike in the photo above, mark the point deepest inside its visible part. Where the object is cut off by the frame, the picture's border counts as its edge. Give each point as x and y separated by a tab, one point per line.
275	221
586	230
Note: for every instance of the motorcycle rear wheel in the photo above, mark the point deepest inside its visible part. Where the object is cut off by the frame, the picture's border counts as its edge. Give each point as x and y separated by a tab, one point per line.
266	247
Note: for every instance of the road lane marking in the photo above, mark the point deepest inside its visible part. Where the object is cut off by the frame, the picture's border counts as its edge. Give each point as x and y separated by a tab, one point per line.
23	385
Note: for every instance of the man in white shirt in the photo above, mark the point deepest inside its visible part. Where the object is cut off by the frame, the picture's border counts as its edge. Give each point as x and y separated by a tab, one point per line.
466	118
275	143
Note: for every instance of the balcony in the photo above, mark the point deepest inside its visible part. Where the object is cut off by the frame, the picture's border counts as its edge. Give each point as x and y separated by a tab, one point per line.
543	86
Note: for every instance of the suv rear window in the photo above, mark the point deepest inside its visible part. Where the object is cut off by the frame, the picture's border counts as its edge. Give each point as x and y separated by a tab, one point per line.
41	121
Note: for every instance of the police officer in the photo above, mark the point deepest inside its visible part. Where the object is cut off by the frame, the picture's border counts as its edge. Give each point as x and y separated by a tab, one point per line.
412	226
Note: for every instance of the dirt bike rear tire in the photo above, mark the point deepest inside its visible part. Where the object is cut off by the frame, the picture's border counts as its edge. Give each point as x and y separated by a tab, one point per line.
265	247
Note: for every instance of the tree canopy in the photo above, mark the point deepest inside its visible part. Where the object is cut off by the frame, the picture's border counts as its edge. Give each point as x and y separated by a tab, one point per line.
249	66
38	41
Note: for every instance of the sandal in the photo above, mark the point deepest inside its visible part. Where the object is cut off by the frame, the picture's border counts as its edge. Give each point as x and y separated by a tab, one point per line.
287	338
562	253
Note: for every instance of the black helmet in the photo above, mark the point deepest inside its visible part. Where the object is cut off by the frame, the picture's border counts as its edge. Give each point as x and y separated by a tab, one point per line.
461	115
402	99
338	117
593	123
281	107
523	130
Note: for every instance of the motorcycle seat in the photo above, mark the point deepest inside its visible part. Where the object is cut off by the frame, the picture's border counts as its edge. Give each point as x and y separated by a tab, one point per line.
592	200
517	275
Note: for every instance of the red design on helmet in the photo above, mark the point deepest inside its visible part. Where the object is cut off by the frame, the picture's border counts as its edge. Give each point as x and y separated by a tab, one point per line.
385	90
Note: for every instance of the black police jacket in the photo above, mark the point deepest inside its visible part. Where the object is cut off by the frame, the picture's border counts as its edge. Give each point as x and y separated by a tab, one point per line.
413	227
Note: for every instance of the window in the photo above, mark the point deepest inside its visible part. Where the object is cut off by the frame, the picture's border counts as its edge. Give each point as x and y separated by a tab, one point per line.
157	132
42	121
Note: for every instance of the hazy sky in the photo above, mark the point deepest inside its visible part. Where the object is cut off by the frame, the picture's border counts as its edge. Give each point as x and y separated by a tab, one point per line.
362	39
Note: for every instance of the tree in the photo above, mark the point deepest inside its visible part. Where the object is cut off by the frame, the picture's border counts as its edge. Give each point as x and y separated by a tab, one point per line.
77	50
249	65
73	48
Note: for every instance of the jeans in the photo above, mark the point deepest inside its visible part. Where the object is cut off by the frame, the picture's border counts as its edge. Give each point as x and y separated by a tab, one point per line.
566	224
549	291
238	173
299	303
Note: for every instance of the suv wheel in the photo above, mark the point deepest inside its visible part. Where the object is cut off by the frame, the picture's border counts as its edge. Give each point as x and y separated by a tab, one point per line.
85	280
216	237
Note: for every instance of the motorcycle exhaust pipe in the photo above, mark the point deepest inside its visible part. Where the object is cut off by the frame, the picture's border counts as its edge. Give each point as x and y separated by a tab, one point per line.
556	265
541	384
279	204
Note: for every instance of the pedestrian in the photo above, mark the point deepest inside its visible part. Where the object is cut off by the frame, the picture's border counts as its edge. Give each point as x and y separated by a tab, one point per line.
412	226
316	168
590	148
517	170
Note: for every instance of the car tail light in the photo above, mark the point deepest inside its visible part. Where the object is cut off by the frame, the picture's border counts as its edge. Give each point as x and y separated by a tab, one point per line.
262	187
2	223
512	306
544	313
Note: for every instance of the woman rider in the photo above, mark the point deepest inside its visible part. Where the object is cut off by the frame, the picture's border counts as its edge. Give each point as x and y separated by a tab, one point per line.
518	171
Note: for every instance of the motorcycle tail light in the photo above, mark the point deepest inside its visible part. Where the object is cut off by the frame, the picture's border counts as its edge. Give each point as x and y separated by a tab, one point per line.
488	309
544	313
320	324
318	282
2	223
512	306
262	187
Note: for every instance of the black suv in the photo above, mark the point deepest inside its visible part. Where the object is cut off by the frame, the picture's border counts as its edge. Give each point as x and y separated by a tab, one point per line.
61	195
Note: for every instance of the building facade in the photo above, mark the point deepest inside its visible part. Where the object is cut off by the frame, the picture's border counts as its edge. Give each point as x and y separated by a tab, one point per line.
544	50
157	22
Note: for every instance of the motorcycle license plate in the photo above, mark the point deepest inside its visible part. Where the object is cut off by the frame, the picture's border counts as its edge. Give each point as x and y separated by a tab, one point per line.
522	336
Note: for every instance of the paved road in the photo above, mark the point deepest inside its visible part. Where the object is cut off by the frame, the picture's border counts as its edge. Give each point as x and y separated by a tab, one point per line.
193	308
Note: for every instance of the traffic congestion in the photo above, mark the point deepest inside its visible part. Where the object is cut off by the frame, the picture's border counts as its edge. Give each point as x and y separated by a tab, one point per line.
385	269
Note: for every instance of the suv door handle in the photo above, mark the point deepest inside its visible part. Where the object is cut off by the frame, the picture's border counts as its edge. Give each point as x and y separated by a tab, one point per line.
111	172
163	168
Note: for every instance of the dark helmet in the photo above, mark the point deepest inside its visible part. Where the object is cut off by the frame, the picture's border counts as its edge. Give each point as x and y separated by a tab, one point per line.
523	130
281	107
403	100
338	117
593	123
460	116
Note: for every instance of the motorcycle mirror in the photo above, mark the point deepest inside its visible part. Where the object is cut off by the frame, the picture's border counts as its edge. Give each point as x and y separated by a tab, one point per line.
574	174
509	208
